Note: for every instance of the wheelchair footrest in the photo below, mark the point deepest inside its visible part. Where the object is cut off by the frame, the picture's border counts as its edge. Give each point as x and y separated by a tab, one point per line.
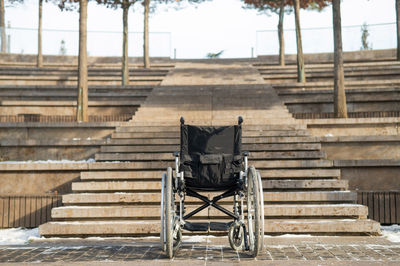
206	226
197	227
219	226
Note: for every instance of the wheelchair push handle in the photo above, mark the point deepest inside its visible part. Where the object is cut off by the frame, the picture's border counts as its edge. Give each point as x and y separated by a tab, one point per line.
182	120
240	120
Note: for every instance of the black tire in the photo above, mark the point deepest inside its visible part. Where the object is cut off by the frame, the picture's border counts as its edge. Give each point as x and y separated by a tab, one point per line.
236	236
260	187
253	212
169	214
162	216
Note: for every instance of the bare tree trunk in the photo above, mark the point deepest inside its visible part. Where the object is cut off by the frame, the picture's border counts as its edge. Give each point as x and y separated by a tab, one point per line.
301	75
146	60
2	27
398	28
340	106
280	34
82	108
40	55
125	58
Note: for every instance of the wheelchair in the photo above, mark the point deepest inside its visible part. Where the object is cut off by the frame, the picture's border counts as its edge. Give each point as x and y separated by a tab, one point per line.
211	160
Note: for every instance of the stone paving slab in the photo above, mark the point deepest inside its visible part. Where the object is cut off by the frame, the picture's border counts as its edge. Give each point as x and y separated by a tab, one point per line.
206	250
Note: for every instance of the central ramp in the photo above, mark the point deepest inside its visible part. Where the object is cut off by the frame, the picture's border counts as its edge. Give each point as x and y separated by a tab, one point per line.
213	94
303	193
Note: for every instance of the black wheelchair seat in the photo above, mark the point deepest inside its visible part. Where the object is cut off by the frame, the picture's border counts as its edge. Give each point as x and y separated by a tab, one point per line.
211	156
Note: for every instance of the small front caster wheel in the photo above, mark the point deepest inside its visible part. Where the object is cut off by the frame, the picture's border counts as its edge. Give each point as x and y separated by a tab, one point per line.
236	236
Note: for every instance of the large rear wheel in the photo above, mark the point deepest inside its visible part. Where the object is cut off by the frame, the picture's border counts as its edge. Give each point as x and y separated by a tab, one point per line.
163	234
169	214
254	220
260	187
173	230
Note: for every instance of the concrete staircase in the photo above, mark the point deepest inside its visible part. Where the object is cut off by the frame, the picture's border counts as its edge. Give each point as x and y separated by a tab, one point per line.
372	89
384	70
302	192
58	75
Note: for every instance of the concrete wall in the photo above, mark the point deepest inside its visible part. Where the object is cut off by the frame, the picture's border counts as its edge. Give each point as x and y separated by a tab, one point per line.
37	182
58	131
52	141
372	178
73	60
369	55
353	126
362	147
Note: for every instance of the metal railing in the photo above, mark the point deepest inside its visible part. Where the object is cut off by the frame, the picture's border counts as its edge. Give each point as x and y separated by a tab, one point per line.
320	40
100	43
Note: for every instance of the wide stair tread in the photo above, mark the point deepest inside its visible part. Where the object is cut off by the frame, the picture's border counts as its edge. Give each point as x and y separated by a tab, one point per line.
100	228
326	226
126	146
271	210
270	174
168	156
141	129
155	185
126	198
152	227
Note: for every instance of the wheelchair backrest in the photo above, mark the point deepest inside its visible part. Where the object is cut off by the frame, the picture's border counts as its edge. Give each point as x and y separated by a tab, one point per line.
211	156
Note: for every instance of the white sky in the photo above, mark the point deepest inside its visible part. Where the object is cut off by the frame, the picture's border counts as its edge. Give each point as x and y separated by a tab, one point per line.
212	26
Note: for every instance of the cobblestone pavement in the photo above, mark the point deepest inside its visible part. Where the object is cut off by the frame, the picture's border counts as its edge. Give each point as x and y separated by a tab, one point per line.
203	250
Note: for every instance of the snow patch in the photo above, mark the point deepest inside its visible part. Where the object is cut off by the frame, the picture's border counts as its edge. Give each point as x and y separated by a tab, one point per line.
18	236
392	233
195	239
290	235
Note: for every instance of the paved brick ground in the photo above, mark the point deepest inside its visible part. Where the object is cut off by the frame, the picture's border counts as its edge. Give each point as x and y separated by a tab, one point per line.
206	251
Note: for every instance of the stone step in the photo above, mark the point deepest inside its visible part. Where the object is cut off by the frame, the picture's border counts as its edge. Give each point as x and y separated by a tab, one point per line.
259	164
304	197
137	148
152	227
310	196
305	184
347	65
124	175
176	134
291	164
245	140
125	145
301	173
100	228
308	210
329	98
116	186
150	185
169	156
60	103
194	119
270	174
326	226
146	212
248	112
328	73
114	212
142	129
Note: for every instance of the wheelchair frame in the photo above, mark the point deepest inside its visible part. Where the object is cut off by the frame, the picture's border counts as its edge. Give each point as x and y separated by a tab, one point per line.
248	188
